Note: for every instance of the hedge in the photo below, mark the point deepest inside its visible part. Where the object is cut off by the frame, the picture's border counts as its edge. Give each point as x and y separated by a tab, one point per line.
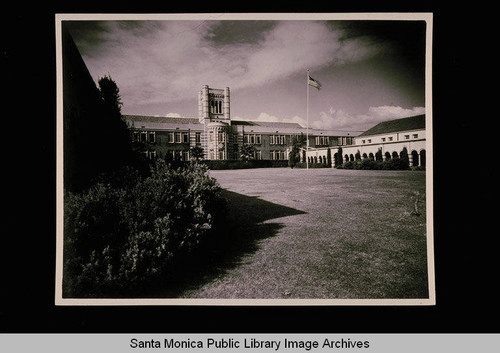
238	164
370	164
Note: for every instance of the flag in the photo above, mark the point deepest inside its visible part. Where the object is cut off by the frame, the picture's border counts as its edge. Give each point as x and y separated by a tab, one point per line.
312	82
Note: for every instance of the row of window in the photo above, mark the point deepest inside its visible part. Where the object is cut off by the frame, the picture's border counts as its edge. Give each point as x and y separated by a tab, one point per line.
221	136
179	155
253	139
183	137
277	155
172	137
322	141
216	107
391	138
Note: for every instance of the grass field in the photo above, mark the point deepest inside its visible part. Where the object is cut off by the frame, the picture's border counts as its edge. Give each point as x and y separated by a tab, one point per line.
319	233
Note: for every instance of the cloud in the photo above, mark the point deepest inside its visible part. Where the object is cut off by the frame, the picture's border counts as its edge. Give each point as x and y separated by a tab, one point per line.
173	115
337	119
273	118
167	61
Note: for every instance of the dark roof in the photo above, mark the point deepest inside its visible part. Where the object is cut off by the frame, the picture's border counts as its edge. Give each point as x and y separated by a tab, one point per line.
405	124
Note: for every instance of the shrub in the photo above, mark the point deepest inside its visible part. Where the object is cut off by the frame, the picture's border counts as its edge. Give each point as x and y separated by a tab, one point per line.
238	164
123	238
311	165
370	164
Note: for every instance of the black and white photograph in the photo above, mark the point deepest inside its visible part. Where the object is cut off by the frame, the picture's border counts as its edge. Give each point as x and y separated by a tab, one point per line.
244	159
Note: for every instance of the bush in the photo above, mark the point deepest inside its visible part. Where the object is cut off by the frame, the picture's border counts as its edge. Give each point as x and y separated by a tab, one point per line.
370	164
127	237
238	164
311	165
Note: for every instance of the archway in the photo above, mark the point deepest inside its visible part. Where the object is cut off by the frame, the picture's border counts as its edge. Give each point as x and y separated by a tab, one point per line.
422	158
415	159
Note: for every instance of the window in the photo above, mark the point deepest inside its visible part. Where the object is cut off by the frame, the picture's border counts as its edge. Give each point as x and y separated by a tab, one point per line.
415	136
171	137
185	137
407	137
322	140
258	139
197	137
150	154
252	139
177	137
383	139
390	138
185	155
216	107
369	140
277	139
272	155
258	155
151	137
143	136
364	141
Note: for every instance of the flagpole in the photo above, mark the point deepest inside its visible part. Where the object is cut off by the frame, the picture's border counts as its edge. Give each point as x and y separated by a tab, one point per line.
307	117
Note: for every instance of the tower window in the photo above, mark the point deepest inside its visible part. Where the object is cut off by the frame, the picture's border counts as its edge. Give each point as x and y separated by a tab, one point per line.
216	107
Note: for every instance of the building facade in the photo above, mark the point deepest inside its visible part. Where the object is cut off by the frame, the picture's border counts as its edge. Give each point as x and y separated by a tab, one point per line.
220	138
386	140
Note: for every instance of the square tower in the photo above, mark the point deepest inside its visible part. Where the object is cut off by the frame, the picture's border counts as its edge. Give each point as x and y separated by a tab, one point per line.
214	114
214	105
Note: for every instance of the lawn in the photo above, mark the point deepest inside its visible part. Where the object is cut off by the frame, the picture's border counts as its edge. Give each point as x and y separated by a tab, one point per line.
318	234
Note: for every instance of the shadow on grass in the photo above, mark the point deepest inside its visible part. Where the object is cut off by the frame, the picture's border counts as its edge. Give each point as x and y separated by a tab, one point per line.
239	236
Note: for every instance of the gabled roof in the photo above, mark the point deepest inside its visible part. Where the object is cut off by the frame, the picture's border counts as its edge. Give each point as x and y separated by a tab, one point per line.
160	119
168	123
162	122
405	124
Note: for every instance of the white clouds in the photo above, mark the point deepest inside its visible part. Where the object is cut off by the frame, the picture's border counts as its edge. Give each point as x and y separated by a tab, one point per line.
340	120
272	118
168	61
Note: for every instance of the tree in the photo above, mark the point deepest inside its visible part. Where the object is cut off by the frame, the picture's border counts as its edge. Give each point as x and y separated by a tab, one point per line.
338	157
196	153
117	138
110	93
247	152
296	143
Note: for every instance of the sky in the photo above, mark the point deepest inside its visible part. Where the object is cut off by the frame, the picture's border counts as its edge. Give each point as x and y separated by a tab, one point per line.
370	70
